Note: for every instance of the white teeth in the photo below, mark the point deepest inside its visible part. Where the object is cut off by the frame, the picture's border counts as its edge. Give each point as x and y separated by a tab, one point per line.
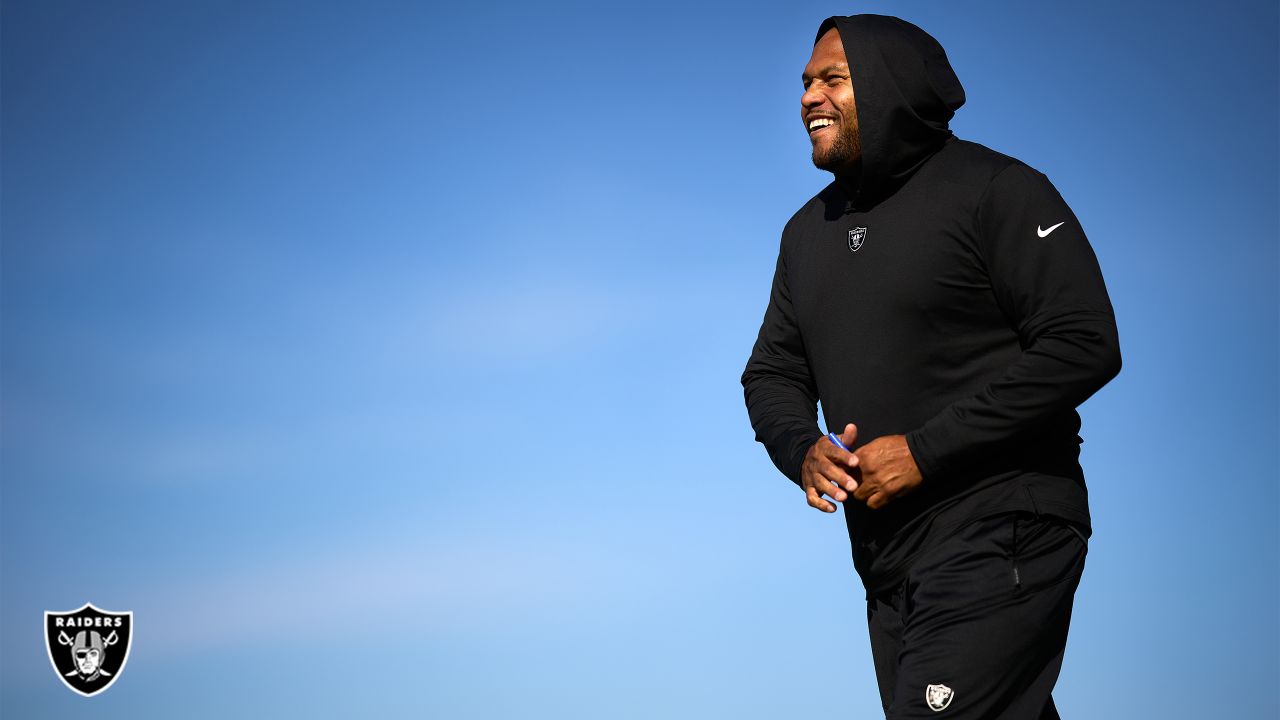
821	122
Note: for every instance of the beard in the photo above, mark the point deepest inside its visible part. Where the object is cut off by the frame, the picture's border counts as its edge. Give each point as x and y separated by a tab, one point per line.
842	153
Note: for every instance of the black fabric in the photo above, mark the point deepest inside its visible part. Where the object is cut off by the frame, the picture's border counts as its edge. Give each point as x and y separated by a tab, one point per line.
958	321
985	615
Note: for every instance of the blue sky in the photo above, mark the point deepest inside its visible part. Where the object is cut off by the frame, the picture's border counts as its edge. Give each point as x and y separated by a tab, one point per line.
385	358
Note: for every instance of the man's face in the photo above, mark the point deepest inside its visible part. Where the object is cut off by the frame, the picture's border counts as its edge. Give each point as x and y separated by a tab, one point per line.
87	660
828	99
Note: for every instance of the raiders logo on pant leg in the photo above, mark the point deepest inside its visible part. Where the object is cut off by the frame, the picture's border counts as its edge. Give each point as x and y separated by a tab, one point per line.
938	697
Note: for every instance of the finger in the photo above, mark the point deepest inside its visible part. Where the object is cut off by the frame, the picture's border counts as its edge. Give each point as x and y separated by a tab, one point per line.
821	484
877	501
814	501
839	455
837	476
852	477
829	487
841	460
865	491
850	435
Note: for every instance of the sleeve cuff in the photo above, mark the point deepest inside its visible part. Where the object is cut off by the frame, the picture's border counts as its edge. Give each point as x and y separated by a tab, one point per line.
918	446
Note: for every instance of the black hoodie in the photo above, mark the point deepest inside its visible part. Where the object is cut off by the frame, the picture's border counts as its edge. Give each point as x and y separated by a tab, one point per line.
949	295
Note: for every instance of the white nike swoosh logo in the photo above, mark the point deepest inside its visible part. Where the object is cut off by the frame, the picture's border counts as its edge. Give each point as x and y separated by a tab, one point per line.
1045	233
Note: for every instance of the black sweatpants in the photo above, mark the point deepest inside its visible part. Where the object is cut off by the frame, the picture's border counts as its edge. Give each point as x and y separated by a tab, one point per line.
978	627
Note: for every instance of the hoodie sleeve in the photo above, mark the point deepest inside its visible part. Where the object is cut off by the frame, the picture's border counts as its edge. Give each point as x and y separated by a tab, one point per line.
1047	282
778	384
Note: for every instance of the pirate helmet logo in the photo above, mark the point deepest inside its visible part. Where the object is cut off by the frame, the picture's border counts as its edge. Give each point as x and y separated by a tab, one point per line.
938	697
88	647
856	237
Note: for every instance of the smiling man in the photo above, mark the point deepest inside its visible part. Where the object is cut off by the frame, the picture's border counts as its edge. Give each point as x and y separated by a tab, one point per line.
942	302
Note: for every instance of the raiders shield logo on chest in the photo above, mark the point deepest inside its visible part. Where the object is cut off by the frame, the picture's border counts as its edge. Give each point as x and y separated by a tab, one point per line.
856	237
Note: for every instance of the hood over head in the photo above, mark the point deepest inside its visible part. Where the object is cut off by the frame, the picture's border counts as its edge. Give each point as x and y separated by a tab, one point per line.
905	93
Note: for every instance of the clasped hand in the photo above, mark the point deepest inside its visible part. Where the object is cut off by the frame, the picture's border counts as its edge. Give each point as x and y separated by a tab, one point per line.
876	474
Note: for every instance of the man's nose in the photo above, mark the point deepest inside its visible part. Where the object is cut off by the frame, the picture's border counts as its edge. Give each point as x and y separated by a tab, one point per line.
811	98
